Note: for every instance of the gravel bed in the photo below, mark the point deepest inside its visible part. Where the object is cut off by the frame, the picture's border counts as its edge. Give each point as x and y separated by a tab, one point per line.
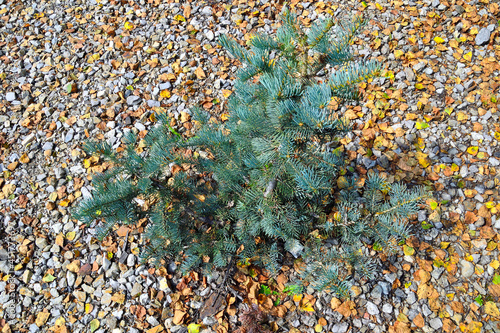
97	69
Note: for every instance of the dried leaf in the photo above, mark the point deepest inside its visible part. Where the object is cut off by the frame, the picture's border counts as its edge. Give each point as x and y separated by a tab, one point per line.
491	309
200	74
438	40
128	26
94	325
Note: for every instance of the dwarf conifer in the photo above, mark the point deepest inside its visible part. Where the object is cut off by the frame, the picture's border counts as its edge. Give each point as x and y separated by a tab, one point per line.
269	179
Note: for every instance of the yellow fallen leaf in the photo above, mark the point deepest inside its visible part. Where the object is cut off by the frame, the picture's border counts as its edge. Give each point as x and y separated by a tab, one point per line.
481	155
318	328
68	67
408	251
489	204
422	159
193	328
200	197
118	298
179	17
224	116
64	203
420	144
468	56
93	58
421	125
128	26
94	324
24	158
433	204
226	93
297	298
461	116
472	150
495	264
70	235
398	54
444	245
379	6
53	196
165	94
60	321
438	40
306	306
491	309
419	86
48	278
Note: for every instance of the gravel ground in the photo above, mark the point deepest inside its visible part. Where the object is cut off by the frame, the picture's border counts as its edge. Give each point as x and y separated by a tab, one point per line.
96	69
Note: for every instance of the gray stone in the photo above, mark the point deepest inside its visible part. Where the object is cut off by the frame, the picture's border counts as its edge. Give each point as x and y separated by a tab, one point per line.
106	298
131	260
10	96
372	308
409	74
411	298
210	35
207	10
48	146
483	37
70	278
340	328
209	321
41	242
69	135
136	289
467	268
436	323
165	86
377	292
387	308
426	311
133	100
386	287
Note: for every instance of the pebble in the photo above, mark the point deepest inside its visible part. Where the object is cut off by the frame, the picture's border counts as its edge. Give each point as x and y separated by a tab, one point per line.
41	243
106	298
48	146
207	10
210	35
387	308
409	74
372	308
483	37
436	323
467	268
133	100
10	96
70	278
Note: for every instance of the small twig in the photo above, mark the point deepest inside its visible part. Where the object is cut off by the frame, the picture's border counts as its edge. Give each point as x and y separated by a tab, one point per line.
125	243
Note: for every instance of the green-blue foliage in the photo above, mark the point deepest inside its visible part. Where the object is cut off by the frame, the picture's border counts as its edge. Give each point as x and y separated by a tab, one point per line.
269	173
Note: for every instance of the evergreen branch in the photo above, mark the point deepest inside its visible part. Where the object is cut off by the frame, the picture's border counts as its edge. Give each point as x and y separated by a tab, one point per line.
400	204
